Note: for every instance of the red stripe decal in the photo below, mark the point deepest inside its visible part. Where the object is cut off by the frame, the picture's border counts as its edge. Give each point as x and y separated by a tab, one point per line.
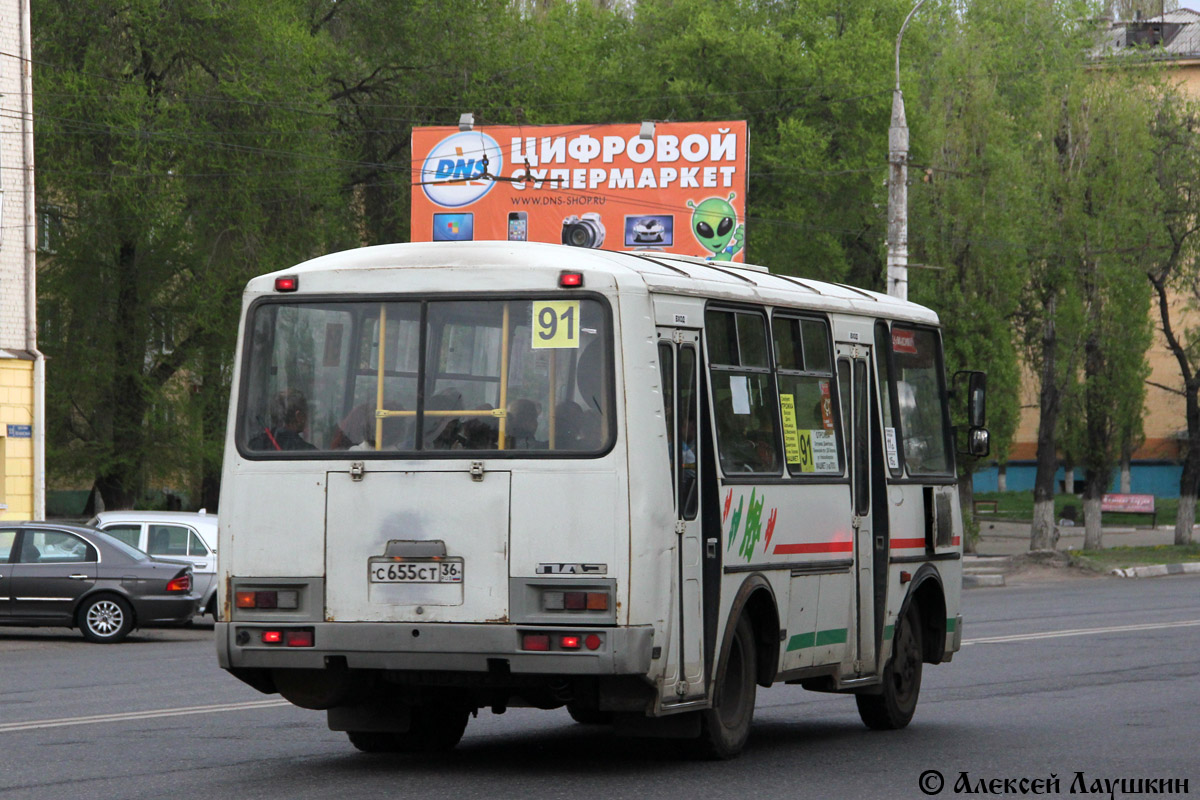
815	547
956	541
902	544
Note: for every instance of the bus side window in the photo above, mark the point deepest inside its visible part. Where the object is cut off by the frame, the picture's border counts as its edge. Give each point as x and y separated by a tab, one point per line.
666	366
743	392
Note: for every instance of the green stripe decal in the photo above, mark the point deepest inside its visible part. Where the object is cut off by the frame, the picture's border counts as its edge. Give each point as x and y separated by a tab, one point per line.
951	624
818	639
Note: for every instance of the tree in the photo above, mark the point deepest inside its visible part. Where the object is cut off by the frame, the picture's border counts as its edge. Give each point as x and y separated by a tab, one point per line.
184	149
1172	265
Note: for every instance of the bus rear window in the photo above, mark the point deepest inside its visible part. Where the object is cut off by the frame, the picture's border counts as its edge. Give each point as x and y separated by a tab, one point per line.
335	378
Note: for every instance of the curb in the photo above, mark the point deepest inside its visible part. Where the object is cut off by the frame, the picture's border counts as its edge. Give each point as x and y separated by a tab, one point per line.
980	581
1158	570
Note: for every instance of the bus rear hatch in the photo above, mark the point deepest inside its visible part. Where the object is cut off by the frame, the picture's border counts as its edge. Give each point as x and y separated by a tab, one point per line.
429	546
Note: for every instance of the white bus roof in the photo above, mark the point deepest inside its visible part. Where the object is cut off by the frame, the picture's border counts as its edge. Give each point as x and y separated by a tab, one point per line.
657	271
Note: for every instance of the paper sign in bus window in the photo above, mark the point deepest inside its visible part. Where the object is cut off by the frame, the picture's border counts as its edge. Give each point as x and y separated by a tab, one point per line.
739	387
826	407
893	457
555	324
791	442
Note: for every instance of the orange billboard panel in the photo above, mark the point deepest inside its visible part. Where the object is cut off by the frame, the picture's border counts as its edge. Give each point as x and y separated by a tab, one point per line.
681	190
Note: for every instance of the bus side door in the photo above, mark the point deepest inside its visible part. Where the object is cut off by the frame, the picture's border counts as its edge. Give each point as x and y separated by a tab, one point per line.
678	352
854	382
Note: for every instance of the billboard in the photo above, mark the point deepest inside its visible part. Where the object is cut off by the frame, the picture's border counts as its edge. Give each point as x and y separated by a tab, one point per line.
682	190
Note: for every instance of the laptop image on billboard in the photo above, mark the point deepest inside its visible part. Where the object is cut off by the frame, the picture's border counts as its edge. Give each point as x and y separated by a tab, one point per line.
453	227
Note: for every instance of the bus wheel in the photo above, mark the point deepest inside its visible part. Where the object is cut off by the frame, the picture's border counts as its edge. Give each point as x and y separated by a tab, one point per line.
589	716
433	729
725	727
893	707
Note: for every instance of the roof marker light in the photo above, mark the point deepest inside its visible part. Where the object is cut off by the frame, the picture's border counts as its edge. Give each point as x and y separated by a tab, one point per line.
570	280
288	283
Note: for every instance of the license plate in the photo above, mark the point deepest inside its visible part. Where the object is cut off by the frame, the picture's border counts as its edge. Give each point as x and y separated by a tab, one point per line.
386	570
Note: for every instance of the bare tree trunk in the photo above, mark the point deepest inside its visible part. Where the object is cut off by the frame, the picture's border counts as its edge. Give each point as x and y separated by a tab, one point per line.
1068	478
1093	491
1185	517
1002	478
1126	472
1041	533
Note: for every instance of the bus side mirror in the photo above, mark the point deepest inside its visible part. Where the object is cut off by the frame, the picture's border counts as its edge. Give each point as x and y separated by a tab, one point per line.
978	443
977	399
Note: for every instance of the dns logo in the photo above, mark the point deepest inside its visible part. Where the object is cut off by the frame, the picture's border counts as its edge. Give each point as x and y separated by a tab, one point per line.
452	171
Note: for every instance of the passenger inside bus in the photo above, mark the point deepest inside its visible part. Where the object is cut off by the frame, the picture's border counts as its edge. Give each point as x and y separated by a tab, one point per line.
442	432
289	418
522	425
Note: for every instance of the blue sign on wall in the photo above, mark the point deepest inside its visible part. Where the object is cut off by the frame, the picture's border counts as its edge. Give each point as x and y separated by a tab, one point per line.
20	431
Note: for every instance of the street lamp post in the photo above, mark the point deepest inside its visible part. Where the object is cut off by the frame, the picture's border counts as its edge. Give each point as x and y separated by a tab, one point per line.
897	235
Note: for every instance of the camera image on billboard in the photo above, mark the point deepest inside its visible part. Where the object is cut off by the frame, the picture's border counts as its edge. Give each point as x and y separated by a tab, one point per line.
649	230
453	227
583	231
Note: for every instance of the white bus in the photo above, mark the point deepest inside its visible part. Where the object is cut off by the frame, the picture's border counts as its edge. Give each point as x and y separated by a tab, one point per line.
638	485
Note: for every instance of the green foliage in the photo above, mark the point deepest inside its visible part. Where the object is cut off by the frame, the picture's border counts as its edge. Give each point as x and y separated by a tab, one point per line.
184	148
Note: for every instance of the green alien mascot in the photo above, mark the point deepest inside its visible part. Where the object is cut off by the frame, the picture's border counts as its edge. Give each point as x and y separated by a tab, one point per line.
714	222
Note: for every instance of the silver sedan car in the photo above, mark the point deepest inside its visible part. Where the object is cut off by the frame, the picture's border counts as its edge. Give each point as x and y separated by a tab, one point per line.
78	577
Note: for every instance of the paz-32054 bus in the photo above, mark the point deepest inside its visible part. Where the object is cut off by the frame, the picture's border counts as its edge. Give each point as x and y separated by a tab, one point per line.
638	485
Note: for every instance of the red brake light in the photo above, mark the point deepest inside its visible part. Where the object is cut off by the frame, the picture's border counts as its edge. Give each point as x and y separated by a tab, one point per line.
535	641
299	639
288	283
575	601
272	637
180	583
569	642
570	280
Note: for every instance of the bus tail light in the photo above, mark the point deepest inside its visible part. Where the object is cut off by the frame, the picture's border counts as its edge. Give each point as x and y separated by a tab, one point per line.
535	641
288	283
575	601
570	280
558	642
299	639
284	600
289	637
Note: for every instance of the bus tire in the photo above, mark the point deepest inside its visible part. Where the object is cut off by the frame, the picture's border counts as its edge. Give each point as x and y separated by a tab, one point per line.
589	716
725	727
893	707
433	729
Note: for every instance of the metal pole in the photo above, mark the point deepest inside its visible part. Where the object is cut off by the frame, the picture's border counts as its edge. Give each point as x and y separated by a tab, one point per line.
897	236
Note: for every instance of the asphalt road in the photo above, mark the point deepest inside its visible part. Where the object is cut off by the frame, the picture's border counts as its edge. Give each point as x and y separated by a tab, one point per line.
1094	676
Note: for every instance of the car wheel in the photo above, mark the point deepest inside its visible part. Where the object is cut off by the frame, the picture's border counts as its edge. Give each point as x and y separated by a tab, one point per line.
893	707
105	619
725	727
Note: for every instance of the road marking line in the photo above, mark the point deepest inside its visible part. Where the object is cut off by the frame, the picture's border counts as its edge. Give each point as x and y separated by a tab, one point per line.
11	727
1026	637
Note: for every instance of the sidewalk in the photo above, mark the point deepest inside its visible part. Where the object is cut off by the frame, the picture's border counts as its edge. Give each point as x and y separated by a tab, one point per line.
1004	548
